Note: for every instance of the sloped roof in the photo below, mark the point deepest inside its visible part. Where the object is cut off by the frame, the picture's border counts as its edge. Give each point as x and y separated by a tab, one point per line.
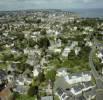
47	98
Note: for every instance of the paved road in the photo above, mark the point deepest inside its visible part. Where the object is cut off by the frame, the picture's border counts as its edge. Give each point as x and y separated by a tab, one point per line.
91	64
98	78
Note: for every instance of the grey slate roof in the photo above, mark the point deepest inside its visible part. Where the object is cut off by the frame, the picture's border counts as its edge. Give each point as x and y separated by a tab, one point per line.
78	87
88	84
3	75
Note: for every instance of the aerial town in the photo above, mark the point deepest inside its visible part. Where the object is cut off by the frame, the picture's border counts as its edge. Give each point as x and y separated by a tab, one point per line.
50	55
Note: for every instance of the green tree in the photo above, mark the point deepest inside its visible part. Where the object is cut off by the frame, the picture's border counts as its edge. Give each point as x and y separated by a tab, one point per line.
41	77
33	90
50	75
31	42
38	21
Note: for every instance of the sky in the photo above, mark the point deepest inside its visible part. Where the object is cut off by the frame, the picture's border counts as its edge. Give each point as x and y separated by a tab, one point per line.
49	4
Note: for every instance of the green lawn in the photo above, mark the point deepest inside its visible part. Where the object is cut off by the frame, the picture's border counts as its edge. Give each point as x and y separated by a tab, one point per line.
25	97
73	62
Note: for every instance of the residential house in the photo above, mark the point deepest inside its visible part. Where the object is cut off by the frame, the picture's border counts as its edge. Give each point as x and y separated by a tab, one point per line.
21	89
58	42
43	61
23	80
100	55
36	70
10	78
77	50
66	51
81	87
50	31
89	43
3	76
76	92
22	84
62	72
47	98
36	33
57	33
63	94
78	77
33	58
13	66
54	49
88	29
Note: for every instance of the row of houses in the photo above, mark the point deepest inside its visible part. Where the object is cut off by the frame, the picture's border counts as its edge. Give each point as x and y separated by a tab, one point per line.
69	86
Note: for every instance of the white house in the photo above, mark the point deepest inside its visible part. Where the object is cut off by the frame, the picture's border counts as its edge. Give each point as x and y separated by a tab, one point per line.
36	70
90	29
77	50
78	77
57	50
47	98
75	28
57	33
58	43
5	34
13	51
74	78
7	46
43	61
29	51
50	31
100	55
36	33
66	51
22	80
54	49
89	43
62	72
82	87
84	32
10	78
62	94
74	43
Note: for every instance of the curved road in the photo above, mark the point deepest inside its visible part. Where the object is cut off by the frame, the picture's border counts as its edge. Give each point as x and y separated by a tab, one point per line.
98	78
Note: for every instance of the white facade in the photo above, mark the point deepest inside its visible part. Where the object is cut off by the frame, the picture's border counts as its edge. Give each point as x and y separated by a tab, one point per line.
61	96
58	43
77	79
81	90
35	33
23	81
74	92
75	28
35	72
57	33
88	43
100	56
77	50
90	29
57	50
66	51
50	31
62	73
